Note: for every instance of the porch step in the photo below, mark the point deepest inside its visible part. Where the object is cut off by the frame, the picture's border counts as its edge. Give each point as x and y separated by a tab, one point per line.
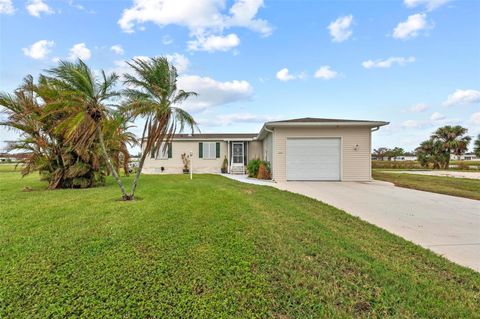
237	170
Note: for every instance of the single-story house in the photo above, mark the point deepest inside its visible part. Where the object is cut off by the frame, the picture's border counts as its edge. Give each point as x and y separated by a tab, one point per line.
304	149
464	157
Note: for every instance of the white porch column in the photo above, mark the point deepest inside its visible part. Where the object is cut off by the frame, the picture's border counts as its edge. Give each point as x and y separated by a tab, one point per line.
228	157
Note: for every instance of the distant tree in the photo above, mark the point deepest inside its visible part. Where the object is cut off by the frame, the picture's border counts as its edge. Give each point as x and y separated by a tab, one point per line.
380	153
393	153
476	147
431	152
453	139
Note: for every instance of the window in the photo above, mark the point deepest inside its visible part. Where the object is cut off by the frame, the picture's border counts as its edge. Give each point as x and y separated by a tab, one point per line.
164	152
209	150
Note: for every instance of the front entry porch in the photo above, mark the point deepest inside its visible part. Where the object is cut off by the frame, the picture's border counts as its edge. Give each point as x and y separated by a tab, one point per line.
237	157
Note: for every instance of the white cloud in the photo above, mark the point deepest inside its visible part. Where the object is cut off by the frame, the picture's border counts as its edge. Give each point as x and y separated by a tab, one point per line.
412	124
117	49
6	7
180	62
284	75
228	119
212	92
417	108
462	97
166	40
326	73
214	43
475	118
387	63
39	49
79	51
204	18
429	4
37	7
437	116
411	28
340	29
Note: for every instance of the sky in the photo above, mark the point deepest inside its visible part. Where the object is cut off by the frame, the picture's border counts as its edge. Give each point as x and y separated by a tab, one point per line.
413	63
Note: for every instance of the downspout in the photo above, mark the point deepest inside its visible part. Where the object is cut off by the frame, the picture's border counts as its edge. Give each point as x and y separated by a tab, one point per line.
375	128
272	166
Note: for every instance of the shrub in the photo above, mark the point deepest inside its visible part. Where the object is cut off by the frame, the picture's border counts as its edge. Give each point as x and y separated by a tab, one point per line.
253	166
263	171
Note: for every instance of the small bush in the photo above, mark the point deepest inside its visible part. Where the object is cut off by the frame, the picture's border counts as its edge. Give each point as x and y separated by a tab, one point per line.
253	166
263	171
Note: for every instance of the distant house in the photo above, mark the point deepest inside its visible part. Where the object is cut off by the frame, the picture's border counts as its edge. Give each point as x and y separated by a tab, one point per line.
12	157
298	150
406	157
464	157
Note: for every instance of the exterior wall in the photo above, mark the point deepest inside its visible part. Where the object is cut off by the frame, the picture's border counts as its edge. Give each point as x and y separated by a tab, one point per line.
255	150
268	148
174	165
355	164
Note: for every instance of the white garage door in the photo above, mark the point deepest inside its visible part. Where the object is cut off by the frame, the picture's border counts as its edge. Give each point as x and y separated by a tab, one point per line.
313	159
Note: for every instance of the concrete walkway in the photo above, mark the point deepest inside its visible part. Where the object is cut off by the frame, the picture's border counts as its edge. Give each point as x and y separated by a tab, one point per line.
447	225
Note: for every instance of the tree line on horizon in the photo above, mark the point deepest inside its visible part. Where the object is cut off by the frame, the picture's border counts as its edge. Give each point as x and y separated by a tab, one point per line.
437	150
74	123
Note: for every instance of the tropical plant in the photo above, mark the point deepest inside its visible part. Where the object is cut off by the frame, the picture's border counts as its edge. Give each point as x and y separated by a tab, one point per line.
46	149
453	140
253	166
84	105
152	94
432	152
393	153
224	168
476	146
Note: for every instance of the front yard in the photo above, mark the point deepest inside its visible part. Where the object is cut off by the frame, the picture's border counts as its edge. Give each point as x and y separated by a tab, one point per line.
210	248
461	187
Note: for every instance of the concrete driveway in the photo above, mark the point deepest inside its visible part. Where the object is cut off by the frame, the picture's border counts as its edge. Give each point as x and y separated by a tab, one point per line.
449	226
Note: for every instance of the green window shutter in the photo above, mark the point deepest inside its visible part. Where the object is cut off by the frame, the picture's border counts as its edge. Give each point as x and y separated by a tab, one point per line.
153	152
217	150
200	150
169	150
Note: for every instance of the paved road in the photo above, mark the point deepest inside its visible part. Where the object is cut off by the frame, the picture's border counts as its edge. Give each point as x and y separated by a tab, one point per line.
449	226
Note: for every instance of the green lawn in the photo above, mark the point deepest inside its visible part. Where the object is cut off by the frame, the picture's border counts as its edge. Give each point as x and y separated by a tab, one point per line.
210	248
461	187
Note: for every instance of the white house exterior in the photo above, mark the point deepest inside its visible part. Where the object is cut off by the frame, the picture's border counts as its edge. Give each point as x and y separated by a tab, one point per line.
305	149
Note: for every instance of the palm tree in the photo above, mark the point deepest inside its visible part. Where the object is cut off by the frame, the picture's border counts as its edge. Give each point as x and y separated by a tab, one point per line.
152	94
453	140
431	152
83	103
476	147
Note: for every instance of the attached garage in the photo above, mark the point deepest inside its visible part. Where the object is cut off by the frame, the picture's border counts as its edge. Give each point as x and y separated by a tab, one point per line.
317	149
313	159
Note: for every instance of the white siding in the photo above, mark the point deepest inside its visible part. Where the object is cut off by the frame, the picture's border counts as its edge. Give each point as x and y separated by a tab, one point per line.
355	163
268	148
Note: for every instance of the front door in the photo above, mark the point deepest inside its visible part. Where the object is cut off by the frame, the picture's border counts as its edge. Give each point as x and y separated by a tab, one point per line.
237	153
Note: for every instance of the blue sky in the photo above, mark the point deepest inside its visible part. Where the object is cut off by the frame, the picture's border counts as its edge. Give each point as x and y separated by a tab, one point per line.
414	63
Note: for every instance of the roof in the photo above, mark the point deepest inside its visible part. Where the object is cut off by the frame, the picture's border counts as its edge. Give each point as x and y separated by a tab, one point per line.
216	136
320	120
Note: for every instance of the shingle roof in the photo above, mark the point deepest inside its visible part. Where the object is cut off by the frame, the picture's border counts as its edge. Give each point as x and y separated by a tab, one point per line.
318	120
216	135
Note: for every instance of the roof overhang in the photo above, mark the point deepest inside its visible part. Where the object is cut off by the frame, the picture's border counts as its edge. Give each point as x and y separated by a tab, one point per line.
268	126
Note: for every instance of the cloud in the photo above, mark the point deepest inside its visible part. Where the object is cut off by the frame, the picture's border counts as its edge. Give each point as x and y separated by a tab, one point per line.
411	28
37	7
180	62
212	92
429	4
387	63
204	19
437	116
460	97
340	29
413	124
475	118
326	73
228	119
417	108
6	7
284	75
117	49
166	40
39	49
214	43
79	51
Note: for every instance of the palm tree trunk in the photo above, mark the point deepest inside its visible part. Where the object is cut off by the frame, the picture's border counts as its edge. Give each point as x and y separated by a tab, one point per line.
109	162
137	175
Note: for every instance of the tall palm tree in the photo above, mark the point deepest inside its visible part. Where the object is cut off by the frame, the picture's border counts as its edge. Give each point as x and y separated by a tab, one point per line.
83	101
476	146
453	140
152	94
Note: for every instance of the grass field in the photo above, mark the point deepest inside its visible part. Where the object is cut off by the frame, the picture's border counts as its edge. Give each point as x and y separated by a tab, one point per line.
461	187
210	248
